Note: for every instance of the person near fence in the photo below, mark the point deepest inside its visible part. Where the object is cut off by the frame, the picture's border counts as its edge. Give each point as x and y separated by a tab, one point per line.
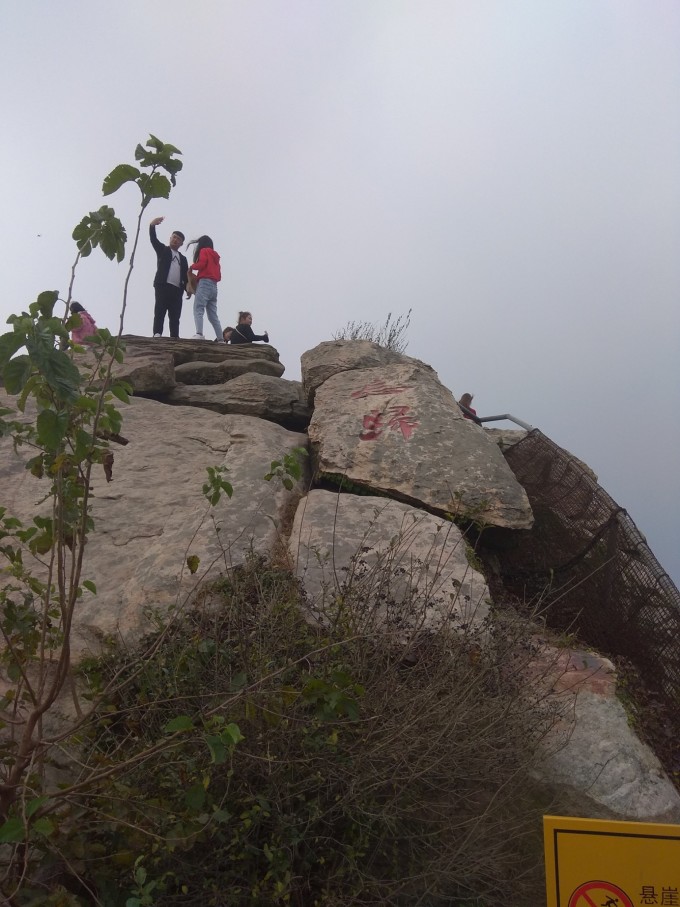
466	401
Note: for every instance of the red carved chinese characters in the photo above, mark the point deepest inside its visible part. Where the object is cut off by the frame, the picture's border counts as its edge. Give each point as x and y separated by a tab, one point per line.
375	388
395	418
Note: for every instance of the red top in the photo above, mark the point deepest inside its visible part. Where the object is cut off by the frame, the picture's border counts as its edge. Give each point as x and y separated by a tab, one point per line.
208	265
465	415
87	328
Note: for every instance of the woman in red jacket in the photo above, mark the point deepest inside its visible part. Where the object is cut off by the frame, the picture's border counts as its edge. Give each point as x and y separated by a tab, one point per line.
206	264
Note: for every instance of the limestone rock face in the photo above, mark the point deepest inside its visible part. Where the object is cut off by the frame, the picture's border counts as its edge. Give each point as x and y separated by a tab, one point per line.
602	759
505	437
153	514
264	396
397	430
149	372
202	372
333	356
153	366
373	549
203	350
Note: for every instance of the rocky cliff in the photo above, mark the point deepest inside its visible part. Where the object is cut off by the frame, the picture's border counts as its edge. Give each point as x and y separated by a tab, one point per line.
394	469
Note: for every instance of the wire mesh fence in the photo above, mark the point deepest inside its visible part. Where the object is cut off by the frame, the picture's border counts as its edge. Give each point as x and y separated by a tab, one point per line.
591	566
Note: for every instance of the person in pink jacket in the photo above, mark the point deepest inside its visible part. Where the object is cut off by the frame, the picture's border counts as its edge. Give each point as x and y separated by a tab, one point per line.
87	326
206	264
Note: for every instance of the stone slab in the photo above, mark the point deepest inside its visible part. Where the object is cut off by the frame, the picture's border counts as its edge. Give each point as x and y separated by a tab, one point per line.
252	394
334	356
203	372
369	549
397	430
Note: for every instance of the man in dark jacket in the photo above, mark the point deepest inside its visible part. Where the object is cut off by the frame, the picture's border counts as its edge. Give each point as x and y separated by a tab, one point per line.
170	279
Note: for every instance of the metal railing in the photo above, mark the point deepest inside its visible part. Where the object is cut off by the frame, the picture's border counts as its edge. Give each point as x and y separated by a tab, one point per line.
480	420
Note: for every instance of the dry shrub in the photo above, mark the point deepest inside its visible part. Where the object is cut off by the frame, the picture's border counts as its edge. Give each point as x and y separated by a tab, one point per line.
373	769
391	334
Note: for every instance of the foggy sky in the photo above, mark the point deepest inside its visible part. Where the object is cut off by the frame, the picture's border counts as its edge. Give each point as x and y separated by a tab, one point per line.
507	169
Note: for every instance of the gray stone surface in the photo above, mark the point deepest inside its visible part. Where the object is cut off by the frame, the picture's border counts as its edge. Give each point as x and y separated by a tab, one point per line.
505	437
334	356
593	757
153	514
203	350
264	396
370	549
153	366
203	372
605	760
149	371
397	430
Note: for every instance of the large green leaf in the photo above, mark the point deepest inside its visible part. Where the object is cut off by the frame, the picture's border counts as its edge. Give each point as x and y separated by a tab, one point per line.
123	173
157	155
61	374
195	796
46	301
16	373
52	428
44	826
101	228
9	344
218	751
154	185
165	147
180	723
12	831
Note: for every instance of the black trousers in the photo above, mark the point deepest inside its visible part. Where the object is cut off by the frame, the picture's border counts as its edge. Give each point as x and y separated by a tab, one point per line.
168	299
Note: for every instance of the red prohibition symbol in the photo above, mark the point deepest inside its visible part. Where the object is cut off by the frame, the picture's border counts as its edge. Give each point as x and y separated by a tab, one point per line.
599	894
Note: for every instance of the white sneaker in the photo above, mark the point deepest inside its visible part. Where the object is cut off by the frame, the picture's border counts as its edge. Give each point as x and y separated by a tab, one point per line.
158	335
198	337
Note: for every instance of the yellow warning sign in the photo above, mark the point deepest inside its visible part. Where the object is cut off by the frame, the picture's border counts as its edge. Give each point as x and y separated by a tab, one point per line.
597	863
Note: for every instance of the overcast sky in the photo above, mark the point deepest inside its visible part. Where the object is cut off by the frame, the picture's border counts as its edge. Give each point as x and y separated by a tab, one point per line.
507	169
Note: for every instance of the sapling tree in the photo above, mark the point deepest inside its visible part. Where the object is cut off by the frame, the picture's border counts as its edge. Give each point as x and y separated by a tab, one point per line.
65	413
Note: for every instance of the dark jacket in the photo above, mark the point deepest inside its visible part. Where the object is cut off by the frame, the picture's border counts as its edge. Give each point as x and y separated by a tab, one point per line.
164	256
243	333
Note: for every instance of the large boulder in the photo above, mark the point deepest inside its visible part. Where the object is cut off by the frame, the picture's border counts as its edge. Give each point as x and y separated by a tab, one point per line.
592	753
265	396
369	551
395	429
153	514
334	356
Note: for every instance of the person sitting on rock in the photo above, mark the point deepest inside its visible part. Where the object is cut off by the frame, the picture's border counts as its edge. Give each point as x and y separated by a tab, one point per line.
466	401
243	332
226	334
87	326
